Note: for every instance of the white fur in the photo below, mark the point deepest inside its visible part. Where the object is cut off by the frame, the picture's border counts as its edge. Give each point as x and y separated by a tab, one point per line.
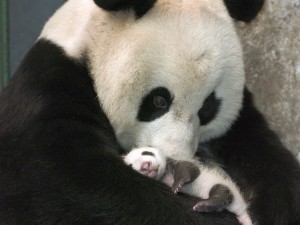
136	160
192	51
201	186
211	177
68	26
189	47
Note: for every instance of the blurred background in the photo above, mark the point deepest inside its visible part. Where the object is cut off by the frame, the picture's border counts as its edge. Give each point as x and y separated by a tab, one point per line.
271	46
272	59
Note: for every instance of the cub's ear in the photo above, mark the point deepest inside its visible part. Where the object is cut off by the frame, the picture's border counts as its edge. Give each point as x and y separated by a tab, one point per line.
140	7
244	10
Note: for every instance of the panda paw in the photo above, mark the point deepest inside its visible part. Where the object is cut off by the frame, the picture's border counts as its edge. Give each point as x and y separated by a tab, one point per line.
147	161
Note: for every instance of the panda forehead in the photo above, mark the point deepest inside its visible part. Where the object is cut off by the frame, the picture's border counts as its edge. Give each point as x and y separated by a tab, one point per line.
169	39
179	30
184	78
172	58
193	6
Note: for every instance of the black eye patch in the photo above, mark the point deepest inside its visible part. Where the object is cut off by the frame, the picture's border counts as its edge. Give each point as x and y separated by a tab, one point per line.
209	110
155	104
148	153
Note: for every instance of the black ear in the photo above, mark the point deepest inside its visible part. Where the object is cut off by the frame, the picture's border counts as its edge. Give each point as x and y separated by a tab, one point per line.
139	6
244	10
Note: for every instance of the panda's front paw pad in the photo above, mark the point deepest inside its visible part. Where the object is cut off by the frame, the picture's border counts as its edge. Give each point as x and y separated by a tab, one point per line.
146	161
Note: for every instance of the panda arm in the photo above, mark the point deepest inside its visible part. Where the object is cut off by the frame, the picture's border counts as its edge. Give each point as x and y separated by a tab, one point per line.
59	160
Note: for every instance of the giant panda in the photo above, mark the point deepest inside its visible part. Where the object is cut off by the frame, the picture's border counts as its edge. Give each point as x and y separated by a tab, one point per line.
108	76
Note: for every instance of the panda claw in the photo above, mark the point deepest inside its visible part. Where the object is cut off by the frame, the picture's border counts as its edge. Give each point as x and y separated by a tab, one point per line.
177	189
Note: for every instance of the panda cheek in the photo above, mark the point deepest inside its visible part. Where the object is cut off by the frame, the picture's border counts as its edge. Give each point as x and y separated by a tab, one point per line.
209	110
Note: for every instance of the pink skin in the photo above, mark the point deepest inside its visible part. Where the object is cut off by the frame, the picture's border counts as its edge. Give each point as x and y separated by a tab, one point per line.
244	219
149	170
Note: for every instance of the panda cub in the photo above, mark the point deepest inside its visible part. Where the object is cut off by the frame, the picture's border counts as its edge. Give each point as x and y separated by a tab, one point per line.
190	176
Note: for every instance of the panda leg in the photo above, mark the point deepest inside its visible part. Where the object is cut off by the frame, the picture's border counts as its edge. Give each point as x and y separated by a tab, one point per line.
219	197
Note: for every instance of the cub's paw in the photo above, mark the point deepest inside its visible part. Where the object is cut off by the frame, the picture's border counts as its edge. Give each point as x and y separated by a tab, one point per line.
147	161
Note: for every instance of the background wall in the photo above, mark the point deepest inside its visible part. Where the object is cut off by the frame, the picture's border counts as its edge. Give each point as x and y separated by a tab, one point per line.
272	58
26	19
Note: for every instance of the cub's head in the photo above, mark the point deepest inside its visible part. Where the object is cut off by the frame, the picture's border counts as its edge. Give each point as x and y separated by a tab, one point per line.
168	73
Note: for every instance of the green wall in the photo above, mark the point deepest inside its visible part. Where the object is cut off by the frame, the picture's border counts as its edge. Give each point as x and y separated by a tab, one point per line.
4	56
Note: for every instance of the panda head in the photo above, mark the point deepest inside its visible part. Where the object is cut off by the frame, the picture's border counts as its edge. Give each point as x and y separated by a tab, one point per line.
168	73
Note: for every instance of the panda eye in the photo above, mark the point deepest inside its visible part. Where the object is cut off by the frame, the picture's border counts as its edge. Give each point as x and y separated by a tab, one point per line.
155	104
160	102
210	109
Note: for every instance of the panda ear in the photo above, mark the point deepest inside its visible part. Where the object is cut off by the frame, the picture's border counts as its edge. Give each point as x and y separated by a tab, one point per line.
244	10
140	7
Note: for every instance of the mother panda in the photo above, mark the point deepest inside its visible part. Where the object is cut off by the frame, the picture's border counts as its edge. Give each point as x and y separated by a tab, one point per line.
168	74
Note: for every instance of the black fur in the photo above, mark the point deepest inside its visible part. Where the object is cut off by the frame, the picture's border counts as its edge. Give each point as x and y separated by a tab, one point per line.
148	111
268	174
183	172
219	198
59	160
244	10
148	153
209	109
140	7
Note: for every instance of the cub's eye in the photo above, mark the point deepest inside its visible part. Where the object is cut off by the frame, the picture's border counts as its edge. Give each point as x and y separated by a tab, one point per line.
160	102
154	104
